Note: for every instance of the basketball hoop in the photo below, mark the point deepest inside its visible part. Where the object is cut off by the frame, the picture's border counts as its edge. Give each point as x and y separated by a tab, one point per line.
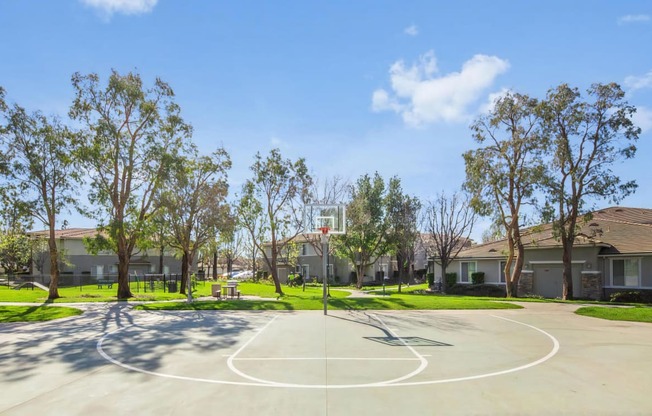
324	230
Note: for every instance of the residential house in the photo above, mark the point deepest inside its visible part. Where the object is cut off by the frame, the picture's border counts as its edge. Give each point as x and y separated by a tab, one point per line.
613	252
80	262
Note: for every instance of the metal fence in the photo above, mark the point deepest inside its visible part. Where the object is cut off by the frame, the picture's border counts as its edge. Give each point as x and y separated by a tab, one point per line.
147	283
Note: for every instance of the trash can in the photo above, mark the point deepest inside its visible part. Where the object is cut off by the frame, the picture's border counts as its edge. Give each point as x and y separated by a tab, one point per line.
172	286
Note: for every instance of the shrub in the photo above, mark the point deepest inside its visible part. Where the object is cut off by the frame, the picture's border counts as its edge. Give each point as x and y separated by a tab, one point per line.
631	297
295	280
451	279
477	278
431	279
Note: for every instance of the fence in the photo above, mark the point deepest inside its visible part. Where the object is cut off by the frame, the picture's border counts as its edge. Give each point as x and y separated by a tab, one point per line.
147	283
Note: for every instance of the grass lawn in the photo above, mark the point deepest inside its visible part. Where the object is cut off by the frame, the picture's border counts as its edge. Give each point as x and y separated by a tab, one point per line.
87	293
637	314
35	313
311	299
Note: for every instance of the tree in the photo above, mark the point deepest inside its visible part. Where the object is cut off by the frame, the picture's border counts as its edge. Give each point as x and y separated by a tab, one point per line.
194	205
366	225
448	222
133	135
503	175
588	137
272	203
46	170
15	245
328	191
403	215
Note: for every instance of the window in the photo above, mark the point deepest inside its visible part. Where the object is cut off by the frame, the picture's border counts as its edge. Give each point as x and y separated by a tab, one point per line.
304	249
501	272
305	271
625	272
330	270
99	271
468	268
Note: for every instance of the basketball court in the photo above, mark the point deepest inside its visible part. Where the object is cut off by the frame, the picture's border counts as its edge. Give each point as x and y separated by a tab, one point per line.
540	360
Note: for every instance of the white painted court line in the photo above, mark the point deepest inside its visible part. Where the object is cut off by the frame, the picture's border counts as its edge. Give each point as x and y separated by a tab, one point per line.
423	362
264	383
323	359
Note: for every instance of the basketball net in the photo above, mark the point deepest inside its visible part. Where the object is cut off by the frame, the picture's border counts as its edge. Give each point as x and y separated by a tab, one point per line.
324	230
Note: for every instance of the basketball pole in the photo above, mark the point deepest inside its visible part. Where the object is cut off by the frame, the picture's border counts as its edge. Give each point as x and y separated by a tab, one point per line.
324	268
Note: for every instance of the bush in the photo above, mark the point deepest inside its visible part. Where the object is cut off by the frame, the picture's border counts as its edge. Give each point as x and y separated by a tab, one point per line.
431	279
477	278
295	280
631	297
451	279
495	291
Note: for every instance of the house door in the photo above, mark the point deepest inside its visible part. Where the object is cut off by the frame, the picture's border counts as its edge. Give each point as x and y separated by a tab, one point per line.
548	280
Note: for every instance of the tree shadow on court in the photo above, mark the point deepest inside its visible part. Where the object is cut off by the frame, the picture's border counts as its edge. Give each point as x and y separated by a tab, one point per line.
68	346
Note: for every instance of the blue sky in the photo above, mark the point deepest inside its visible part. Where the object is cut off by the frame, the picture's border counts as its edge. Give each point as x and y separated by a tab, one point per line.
352	86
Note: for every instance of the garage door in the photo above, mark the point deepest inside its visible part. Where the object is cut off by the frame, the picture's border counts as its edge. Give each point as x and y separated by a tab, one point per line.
548	280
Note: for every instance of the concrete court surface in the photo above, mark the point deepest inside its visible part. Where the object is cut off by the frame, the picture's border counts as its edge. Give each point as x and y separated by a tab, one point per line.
539	360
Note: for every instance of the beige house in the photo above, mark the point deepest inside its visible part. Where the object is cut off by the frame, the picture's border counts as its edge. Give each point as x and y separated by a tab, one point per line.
104	264
612	253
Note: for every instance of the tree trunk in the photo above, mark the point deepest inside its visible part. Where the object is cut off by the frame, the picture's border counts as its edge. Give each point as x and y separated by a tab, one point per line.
444	282
124	291
512	289
54	267
214	264
184	273
567	259
360	276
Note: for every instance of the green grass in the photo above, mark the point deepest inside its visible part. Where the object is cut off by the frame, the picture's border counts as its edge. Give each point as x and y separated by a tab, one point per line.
637	314
87	293
35	313
312	300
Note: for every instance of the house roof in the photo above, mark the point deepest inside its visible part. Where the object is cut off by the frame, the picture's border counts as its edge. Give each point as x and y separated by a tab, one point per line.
617	230
66	233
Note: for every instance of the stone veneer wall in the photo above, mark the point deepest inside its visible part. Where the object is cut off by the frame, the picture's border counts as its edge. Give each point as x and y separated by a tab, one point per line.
592	285
525	282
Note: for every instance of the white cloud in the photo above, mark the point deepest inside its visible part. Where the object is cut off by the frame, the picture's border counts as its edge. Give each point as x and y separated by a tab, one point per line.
491	100
108	7
634	83
278	143
633	18
422	97
643	118
412	30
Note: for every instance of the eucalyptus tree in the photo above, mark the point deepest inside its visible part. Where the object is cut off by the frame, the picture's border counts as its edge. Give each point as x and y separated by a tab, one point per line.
193	204
502	176
46	170
403	234
271	206
589	135
448	222
367	225
15	245
132	137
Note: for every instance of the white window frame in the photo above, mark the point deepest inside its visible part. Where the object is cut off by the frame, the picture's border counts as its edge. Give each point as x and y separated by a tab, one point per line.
305	268
638	278
304	249
502	278
461	276
330	270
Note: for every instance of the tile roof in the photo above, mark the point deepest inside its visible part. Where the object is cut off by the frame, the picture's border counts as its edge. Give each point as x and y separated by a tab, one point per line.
67	233
618	230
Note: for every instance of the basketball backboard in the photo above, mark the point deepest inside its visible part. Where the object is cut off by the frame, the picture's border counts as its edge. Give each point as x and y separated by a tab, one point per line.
318	216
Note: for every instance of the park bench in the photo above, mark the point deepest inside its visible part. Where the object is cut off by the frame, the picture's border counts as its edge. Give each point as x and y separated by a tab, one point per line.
107	282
